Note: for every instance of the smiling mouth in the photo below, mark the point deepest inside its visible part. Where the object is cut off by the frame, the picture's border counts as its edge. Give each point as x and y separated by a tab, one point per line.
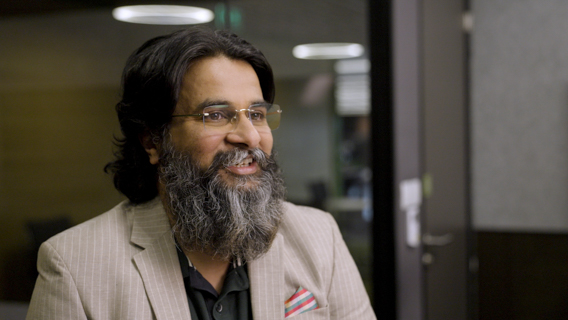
245	167
245	163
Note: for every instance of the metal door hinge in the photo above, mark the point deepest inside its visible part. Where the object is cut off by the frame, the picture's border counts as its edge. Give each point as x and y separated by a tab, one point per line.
467	22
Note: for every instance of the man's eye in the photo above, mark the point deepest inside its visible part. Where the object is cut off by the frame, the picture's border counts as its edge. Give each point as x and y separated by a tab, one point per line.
256	115
216	116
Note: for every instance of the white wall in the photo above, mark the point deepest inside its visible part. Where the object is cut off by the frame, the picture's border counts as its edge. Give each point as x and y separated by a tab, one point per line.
519	115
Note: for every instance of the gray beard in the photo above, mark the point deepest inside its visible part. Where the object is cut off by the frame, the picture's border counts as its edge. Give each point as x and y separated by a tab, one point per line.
229	221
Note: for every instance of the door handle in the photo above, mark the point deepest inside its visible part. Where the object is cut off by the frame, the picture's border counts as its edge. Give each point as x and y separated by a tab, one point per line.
437	241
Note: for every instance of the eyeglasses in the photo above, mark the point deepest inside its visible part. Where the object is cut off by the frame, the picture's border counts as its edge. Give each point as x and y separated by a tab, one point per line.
223	118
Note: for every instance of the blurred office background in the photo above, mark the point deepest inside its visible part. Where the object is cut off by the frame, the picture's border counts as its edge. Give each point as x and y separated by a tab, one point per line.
489	149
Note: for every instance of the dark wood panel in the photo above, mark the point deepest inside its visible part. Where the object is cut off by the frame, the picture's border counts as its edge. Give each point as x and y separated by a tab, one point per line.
523	276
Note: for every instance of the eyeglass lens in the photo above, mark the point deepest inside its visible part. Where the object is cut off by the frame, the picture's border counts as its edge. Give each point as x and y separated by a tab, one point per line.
264	117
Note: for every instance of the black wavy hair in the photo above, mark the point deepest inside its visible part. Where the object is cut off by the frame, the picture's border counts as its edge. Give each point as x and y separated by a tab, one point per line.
151	82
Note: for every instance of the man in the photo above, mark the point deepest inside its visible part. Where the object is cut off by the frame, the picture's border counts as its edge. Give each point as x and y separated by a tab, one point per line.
205	233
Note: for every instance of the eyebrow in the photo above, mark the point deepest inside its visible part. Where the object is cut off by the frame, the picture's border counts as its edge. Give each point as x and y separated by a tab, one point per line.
260	102
208	103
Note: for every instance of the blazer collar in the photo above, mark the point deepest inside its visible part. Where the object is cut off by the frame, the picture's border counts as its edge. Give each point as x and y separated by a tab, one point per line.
149	222
266	276
158	263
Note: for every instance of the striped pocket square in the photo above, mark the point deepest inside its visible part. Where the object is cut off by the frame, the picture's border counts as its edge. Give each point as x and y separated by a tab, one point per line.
301	301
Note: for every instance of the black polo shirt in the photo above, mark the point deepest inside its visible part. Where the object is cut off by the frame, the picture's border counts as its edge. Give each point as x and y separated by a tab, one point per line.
204	301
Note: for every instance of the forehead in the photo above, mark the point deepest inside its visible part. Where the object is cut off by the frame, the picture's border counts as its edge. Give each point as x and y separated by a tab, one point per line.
219	79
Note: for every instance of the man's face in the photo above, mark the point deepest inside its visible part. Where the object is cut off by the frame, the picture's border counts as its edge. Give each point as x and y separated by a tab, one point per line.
222	191
219	80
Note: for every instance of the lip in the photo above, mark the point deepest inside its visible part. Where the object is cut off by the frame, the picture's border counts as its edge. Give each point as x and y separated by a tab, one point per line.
250	169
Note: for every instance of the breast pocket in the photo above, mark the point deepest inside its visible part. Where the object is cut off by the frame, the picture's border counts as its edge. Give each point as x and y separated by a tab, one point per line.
317	314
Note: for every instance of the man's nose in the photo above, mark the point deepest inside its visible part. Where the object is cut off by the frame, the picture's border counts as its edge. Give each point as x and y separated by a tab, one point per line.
244	133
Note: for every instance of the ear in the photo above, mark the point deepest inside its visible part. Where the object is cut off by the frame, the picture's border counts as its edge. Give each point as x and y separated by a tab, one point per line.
150	147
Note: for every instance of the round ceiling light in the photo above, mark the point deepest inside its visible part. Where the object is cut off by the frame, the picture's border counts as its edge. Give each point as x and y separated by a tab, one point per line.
163	14
328	51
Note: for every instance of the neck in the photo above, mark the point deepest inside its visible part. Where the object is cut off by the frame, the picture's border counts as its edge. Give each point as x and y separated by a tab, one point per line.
211	268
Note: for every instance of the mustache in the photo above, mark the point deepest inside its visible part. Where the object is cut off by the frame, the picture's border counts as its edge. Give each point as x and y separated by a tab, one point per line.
224	159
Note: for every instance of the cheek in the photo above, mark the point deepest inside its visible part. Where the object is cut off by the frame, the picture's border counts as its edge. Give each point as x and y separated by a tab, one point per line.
207	147
266	142
202	147
204	150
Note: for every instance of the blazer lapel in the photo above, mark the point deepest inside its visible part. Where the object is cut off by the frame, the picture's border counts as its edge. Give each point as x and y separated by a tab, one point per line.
267	282
158	263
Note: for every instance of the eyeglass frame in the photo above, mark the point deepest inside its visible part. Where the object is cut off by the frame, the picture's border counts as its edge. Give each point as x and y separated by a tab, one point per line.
237	111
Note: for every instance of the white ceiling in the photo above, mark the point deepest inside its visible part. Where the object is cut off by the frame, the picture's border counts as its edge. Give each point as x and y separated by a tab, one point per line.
87	47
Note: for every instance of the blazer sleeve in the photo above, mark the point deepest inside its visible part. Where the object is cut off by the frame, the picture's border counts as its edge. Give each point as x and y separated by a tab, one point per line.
55	294
348	297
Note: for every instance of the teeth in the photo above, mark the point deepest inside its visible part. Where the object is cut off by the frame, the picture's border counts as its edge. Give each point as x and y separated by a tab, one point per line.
245	163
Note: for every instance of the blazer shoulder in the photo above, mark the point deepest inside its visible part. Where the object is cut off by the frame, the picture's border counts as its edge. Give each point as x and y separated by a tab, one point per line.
295	215
112	223
313	226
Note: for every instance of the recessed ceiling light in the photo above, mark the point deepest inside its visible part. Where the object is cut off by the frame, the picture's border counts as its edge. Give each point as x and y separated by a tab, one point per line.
350	66
328	51
163	14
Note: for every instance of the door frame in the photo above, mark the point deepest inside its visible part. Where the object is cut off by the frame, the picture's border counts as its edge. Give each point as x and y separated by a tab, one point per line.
395	114
397	106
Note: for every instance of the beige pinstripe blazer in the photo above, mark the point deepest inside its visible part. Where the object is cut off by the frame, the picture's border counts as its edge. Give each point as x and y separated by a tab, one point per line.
123	265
